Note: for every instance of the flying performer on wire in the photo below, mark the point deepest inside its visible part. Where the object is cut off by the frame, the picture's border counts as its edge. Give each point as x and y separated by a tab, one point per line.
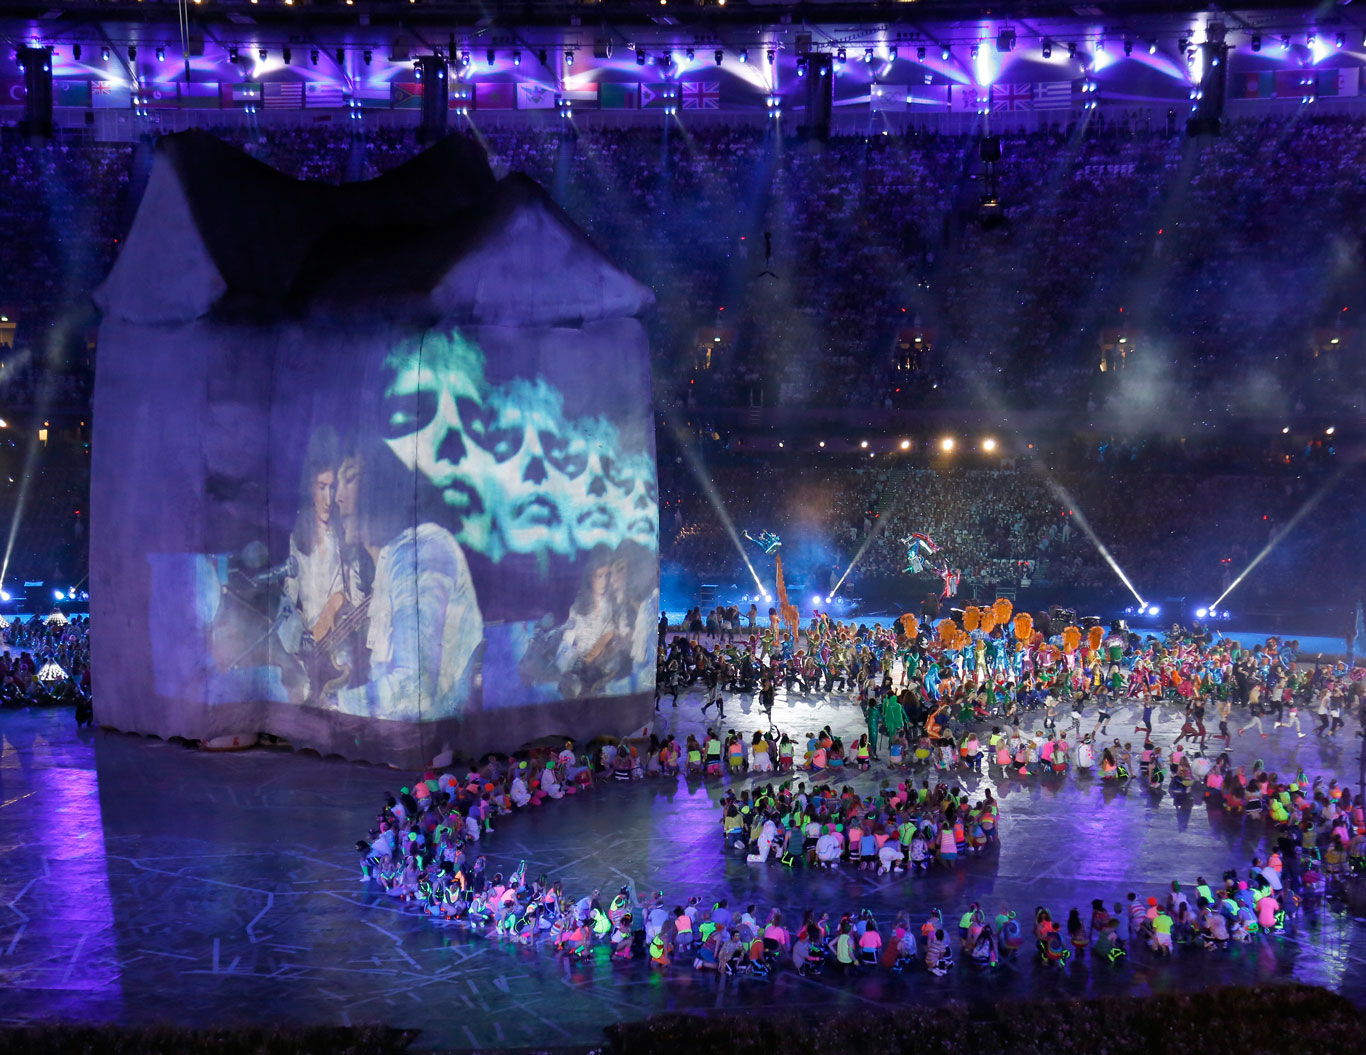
767	541
922	553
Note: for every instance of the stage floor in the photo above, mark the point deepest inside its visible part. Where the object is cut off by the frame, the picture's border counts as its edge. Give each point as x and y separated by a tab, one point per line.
147	882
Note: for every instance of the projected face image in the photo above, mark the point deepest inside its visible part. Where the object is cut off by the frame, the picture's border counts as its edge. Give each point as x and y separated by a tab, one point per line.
593	498
324	486
637	476
433	388
348	487
525	492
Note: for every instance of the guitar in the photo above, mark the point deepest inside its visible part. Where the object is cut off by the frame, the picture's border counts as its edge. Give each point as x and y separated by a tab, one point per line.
318	656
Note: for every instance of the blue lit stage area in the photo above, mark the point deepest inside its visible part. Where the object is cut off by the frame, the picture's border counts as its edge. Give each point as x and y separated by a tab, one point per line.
149	881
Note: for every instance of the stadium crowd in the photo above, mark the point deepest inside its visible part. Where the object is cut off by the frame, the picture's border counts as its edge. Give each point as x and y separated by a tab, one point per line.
865	241
1012	527
1185	244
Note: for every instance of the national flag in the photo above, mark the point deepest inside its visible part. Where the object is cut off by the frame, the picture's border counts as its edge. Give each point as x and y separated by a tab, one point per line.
321	94
1337	82
283	95
885	97
581	97
1252	86
370	97
969	99
108	95
405	95
1053	95
495	95
1011	97
535	97
1294	84
926	96
161	97
199	95
613	95
246	93
12	90
701	95
71	93
657	96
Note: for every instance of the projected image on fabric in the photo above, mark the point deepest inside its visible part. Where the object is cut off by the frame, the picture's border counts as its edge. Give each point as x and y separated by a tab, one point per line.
374	463
549	523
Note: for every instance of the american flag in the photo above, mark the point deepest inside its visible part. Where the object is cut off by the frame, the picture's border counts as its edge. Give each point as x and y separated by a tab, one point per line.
1005	97
289	94
701	95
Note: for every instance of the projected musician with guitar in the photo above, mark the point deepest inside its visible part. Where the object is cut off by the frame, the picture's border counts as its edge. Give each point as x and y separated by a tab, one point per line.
331	572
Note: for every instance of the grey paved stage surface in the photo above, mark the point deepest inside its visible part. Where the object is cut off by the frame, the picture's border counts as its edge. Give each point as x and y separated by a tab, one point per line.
144	881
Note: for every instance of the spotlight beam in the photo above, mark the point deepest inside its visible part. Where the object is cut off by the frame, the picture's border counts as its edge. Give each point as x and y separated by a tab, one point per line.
1065	497
1290	525
699	471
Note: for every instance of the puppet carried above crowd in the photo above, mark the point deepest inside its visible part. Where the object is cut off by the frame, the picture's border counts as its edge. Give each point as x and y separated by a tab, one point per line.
766	540
922	554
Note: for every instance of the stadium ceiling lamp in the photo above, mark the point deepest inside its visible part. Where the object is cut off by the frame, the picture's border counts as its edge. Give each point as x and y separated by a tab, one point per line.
341	56
569	57
891	53
1310	38
1152	47
744	55
801	67
161	54
1071	49
946	444
691	54
974	51
772	55
232	54
516	58
1285	431
541	56
1330	430
132	52
841	55
289	56
1047	48
867	54
1100	43
313	56
1340	41
263	53
863	444
920	53
944	53
640	57
490	55
366	56
718	55
988	445
104	54
1128	48
1256	42
905	445
75	53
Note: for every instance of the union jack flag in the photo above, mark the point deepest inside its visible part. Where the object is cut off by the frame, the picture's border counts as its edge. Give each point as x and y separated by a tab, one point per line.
1005	97
701	95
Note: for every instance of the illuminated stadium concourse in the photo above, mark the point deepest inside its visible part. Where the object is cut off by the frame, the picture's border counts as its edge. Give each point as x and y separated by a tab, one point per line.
773	527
